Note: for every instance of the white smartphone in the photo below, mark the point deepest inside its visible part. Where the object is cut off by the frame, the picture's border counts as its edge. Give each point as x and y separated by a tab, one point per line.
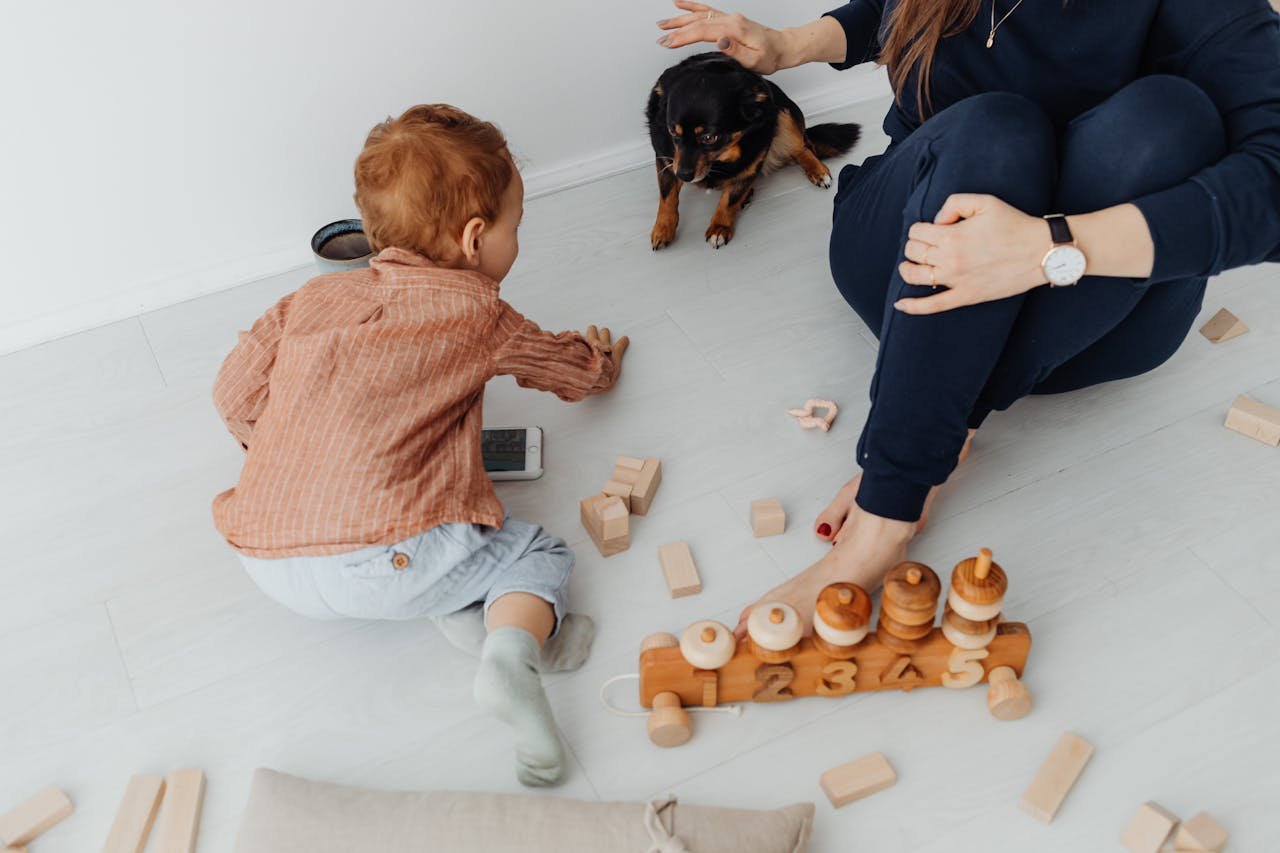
512	453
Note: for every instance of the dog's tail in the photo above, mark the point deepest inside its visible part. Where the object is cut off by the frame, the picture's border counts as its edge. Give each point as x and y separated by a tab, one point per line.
832	140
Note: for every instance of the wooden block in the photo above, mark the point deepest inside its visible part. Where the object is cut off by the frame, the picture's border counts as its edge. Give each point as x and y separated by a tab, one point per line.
1149	829
630	463
180	819
135	816
1053	781
646	486
1254	419
768	518
857	779
1200	833
34	817
607	521
619	489
679	569
1223	327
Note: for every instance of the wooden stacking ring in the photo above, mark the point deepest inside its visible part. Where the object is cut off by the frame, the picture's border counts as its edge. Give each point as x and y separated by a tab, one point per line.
913	586
978	580
708	644
906	615
976	612
775	630
842	615
901	631
897	644
961	640
969	626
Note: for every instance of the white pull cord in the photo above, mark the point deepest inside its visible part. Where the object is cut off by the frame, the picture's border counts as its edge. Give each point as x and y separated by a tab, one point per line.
735	710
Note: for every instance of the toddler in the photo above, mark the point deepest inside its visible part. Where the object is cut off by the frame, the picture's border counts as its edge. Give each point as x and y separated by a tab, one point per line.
358	402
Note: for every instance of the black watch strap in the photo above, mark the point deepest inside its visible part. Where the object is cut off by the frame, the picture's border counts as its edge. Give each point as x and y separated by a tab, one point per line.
1059	231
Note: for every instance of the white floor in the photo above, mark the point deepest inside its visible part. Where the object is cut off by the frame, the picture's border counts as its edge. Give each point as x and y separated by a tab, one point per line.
1140	536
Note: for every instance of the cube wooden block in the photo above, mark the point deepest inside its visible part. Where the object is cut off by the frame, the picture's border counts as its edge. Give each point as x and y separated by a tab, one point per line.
34	817
857	779
136	815
768	518
636	481
607	522
179	823
1056	776
1201	833
679	569
1223	327
1254	419
1149	829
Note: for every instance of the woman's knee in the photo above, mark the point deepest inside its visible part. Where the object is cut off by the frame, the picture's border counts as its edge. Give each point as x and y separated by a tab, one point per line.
999	143
1152	134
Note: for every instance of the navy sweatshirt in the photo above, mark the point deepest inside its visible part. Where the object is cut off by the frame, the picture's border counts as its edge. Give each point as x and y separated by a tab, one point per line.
1069	58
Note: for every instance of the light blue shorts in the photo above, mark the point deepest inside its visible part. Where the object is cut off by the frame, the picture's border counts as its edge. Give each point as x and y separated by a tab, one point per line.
444	570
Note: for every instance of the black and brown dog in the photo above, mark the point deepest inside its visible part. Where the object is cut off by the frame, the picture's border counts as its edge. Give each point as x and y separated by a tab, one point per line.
716	124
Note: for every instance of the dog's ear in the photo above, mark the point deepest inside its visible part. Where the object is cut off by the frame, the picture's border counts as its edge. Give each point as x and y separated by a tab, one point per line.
754	102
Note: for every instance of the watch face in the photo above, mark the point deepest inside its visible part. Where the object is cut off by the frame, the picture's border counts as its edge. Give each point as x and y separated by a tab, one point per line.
1064	265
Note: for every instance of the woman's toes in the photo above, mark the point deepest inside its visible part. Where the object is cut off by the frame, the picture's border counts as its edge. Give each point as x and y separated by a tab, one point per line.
831	519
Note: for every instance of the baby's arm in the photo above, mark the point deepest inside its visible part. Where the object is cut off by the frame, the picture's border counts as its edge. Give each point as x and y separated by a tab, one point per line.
567	364
240	391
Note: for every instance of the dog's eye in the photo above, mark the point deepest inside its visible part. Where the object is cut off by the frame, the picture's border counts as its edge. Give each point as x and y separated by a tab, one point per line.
708	139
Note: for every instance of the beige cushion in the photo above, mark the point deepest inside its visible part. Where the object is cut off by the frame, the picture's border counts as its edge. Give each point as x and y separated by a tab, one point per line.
287	814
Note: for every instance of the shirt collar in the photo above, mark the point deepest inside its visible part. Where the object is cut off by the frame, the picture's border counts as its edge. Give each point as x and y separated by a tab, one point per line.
394	256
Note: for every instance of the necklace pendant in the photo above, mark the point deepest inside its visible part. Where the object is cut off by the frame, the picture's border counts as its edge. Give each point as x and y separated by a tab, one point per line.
991	39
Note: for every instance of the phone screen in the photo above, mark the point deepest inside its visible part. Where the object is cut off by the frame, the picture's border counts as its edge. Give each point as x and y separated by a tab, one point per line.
503	449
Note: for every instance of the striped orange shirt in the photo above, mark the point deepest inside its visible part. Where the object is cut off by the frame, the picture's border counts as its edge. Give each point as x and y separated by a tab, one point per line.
358	399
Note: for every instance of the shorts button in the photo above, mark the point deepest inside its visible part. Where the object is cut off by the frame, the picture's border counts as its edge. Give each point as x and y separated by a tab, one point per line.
400	561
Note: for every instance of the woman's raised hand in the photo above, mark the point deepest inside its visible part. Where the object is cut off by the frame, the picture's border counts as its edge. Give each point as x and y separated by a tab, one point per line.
757	47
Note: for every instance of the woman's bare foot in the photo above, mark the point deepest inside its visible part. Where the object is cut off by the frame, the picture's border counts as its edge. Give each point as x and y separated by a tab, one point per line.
832	519
869	547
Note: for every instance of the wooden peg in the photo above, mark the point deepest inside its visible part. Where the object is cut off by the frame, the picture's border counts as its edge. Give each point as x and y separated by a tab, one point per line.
669	723
179	823
1201	833
1256	420
1056	776
679	569
1007	697
857	779
1149	828
136	815
1223	327
978	580
34	817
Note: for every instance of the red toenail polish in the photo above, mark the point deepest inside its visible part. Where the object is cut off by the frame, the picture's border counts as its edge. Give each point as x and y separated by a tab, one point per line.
824	529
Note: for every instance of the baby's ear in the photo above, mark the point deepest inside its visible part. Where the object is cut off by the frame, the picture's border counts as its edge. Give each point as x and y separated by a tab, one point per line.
469	244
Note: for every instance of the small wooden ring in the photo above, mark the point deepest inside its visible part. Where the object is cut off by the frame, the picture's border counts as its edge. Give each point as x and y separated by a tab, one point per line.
901	631
912	596
897	644
961	640
908	616
969	626
976	612
774	626
704	653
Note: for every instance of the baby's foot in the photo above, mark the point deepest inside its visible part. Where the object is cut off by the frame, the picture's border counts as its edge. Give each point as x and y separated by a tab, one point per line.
571	645
508	686
464	630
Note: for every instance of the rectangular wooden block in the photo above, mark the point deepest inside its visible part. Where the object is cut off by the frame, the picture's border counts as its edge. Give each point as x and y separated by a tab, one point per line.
1053	782
619	489
34	817
179	823
136	815
1254	419
857	779
607	522
1149	829
1201	833
679	569
768	518
646	486
1223	327
630	463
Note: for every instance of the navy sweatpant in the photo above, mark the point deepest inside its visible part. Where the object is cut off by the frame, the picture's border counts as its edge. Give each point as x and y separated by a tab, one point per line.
938	375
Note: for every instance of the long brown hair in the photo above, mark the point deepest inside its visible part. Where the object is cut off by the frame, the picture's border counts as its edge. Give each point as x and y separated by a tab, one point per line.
914	29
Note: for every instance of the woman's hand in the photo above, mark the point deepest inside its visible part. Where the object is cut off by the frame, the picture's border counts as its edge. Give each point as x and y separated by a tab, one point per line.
979	247
757	47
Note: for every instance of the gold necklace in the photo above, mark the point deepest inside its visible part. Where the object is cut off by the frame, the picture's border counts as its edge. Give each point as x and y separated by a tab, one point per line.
991	36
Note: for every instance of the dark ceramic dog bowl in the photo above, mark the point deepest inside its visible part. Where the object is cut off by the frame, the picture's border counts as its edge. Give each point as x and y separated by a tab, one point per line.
341	245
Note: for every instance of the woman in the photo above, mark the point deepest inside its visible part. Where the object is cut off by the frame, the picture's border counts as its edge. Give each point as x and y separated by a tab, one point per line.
1152	125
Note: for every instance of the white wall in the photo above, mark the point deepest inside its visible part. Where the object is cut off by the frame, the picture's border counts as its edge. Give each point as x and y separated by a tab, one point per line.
155	151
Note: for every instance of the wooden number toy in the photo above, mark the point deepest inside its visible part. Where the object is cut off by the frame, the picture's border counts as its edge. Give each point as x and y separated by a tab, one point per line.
776	662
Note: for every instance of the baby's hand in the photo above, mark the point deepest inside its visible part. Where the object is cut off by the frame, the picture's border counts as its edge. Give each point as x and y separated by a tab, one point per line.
603	337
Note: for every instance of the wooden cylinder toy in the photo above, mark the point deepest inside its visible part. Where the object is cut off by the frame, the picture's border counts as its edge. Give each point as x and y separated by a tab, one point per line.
668	722
708	644
774	630
841	619
1007	697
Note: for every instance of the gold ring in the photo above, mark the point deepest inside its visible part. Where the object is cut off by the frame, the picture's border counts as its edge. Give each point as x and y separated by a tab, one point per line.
927	247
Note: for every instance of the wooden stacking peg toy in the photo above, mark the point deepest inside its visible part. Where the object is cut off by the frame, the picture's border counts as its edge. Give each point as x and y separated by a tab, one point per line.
977	592
841	620
1007	697
911	589
774	630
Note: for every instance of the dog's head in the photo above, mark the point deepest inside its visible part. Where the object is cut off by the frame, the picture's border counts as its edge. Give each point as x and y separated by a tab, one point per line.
707	115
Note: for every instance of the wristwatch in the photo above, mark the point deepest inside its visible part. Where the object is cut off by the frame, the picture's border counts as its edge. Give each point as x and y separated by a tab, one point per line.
1064	263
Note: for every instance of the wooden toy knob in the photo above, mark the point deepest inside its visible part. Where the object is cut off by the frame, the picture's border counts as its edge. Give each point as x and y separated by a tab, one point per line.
978	580
974	612
660	640
1007	697
774	626
668	722
708	644
913	586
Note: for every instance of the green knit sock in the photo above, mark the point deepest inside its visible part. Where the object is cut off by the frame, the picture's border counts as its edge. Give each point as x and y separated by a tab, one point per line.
508	686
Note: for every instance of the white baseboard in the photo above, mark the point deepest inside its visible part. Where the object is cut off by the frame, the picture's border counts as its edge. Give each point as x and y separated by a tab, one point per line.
855	87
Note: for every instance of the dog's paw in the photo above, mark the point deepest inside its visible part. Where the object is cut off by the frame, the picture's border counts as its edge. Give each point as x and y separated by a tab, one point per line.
719	235
661	236
820	179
